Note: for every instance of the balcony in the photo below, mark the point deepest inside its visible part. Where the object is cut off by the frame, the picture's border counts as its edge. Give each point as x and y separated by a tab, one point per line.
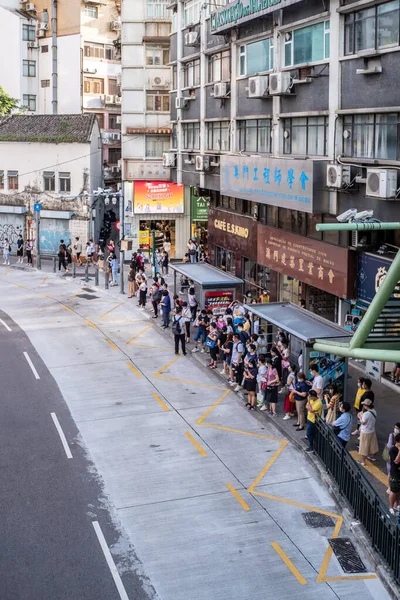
156	10
113	172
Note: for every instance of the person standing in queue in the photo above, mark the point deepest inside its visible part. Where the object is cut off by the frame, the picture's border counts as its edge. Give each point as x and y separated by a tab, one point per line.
166	308
178	329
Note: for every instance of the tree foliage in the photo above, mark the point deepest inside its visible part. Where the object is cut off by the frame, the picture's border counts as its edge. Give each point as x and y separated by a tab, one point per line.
7	103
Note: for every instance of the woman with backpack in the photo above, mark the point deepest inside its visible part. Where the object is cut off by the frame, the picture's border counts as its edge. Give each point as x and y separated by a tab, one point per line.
178	329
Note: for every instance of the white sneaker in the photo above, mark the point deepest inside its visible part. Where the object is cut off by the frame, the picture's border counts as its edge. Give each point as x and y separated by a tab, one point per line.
202	350
238	388
5	262
286	417
264	407
195	350
392	511
222	372
231	383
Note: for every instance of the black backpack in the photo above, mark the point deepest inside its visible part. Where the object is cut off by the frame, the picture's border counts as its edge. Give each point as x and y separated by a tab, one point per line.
176	326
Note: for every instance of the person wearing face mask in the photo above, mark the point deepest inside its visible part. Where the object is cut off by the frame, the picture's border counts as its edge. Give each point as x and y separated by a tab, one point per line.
331	399
368	440
394	478
342	425
389	445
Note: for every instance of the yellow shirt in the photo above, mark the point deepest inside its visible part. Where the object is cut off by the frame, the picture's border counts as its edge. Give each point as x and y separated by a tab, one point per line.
315	405
360	392
246	326
263	299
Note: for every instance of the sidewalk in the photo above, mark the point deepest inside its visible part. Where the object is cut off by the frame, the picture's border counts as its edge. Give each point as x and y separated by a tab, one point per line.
387	400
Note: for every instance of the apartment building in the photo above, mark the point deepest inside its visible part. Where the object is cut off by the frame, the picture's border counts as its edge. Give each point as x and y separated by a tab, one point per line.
63	57
286	114
146	83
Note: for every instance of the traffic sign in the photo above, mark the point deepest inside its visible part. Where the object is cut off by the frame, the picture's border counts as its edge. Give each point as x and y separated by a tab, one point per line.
37	206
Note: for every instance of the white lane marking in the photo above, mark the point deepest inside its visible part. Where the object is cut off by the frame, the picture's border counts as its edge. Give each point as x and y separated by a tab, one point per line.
110	561
61	434
30	363
5	325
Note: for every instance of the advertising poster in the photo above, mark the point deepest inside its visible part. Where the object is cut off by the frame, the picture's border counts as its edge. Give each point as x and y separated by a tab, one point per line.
332	369
158	197
218	301
144	238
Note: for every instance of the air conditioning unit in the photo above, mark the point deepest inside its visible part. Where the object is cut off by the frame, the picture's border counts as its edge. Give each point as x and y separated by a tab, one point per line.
221	90
158	82
337	176
118	99
32	45
202	163
116	137
214	161
115	169
181	103
258	86
115	25
279	83
119	119
381	183
41	26
30	7
168	159
108	99
40	33
191	38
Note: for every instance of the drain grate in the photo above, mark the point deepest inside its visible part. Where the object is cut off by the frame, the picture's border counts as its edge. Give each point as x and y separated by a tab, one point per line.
315	519
87	296
88	290
347	555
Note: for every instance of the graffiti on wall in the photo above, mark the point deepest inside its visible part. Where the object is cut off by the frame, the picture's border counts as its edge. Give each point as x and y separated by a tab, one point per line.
11	232
50	238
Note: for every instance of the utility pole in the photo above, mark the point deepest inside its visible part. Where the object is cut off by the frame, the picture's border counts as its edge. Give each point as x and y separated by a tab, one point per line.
37	208
121	238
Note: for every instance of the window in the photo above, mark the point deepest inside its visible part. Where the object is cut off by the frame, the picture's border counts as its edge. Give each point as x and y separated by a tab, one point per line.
1	180
100	119
114	121
308	44
306	136
219	67
191	136
191	75
157	56
29	101
191	11
44	49
254	135
218	137
157	9
157	101
156	145
225	260
372	136
174	136
12	177
114	155
45	83
29	68
28	33
256	57
64	180
94	50
49	181
92	12
113	87
93	86
372	28
109	52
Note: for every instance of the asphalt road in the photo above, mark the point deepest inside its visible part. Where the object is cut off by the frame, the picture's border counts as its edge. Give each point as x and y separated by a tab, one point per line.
49	549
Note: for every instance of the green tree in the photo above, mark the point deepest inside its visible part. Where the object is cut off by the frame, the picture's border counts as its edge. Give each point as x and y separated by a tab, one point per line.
7	103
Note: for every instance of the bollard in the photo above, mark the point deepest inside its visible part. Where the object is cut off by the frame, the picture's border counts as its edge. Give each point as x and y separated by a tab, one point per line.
87	272
74	270
96	276
54	264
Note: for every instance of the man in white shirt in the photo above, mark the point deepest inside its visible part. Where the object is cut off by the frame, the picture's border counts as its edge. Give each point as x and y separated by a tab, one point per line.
317	383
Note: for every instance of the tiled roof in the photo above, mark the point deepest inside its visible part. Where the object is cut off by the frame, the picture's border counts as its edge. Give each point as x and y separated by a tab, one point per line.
50	129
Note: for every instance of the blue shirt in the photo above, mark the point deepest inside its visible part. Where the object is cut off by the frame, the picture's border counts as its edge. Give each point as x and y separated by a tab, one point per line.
344	422
167	301
301	386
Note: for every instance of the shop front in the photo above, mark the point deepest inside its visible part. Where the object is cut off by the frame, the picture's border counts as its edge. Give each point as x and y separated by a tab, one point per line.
159	212
12	224
232	243
199	206
372	270
318	273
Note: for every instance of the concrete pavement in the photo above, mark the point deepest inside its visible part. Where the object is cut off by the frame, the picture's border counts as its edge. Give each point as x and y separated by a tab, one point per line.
212	499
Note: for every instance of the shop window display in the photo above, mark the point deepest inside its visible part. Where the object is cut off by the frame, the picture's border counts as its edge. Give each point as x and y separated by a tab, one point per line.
225	260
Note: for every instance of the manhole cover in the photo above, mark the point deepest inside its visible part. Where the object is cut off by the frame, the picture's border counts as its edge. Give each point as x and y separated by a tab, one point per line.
88	290
347	555
315	519
87	296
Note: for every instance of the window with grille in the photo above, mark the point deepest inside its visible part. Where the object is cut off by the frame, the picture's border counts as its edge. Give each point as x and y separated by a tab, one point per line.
49	181
64	181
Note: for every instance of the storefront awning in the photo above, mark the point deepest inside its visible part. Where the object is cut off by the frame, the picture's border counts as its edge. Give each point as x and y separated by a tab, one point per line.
298	321
206	275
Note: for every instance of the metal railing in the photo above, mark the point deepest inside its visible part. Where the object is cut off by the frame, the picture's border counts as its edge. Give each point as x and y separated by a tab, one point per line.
368	507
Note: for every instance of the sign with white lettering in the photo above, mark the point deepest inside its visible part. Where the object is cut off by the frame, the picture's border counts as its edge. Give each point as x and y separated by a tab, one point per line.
240	11
145	170
287	183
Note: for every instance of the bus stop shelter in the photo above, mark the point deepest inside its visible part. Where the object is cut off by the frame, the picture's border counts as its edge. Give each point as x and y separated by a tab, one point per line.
214	288
303	328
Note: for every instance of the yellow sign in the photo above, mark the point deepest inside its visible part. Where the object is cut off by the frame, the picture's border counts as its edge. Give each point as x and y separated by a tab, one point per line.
231	228
144	238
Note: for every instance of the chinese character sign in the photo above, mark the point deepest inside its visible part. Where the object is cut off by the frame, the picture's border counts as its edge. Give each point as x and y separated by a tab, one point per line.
279	182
